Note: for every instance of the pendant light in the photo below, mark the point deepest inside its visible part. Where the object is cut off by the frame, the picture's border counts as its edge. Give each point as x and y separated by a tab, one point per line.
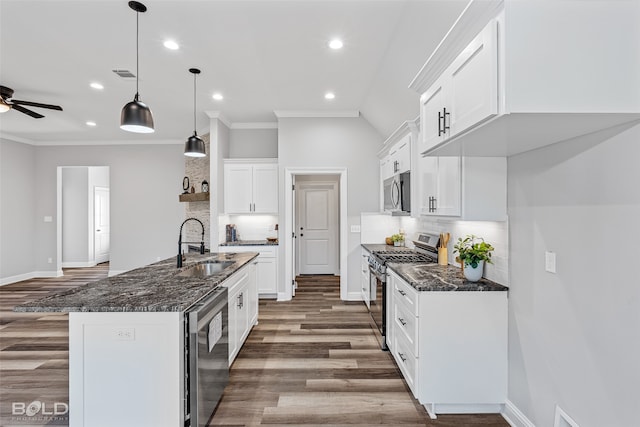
136	116
194	147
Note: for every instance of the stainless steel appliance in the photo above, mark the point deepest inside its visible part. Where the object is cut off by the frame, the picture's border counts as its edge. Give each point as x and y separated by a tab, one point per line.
206	357
397	193
426	252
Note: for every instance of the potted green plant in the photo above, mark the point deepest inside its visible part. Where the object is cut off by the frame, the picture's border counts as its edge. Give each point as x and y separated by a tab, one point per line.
398	239
473	252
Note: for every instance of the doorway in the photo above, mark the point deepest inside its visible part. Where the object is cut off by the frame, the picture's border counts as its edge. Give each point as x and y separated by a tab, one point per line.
83	216
299	175
316	220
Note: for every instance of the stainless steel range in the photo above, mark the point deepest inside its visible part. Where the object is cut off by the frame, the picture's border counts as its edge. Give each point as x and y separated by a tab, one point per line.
425	252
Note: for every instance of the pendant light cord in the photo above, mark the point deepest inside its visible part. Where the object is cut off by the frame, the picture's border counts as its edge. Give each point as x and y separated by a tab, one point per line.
194	103
137	52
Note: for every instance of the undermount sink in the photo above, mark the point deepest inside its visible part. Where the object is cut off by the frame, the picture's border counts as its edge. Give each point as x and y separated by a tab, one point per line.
206	269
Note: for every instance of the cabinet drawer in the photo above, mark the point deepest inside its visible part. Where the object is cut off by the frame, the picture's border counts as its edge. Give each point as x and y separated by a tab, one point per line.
405	360
405	294
406	323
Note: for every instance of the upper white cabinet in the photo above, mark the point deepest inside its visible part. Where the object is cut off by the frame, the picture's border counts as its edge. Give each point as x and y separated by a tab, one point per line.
471	188
250	187
398	155
465	94
514	75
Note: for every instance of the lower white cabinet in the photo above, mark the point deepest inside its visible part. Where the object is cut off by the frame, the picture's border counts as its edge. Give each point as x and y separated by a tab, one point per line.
243	307
365	282
267	267
471	188
451	347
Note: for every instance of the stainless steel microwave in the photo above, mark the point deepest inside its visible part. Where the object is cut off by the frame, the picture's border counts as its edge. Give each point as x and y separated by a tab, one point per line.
397	193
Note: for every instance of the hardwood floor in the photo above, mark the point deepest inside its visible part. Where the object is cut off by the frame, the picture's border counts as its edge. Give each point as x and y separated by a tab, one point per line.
311	361
315	361
34	350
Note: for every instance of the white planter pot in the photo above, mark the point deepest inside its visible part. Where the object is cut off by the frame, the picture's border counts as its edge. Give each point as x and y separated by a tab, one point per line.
473	274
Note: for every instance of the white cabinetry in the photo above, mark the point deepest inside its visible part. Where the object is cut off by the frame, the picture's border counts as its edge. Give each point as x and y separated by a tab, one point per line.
519	75
365	282
451	347
472	188
243	307
267	267
465	94
250	187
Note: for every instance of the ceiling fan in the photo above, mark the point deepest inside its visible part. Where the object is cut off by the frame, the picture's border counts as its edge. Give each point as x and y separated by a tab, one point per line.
7	103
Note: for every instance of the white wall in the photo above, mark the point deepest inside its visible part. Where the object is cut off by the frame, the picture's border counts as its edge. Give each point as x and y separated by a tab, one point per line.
574	336
349	143
145	181
18	187
253	143
75	216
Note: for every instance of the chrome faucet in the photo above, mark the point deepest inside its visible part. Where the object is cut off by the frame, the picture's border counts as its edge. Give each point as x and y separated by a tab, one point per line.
180	242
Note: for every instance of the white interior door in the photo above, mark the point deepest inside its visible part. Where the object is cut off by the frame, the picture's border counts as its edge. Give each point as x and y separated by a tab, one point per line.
317	228
101	224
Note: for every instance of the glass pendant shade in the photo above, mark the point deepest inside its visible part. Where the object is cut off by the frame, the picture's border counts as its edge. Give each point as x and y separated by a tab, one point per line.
194	147
136	117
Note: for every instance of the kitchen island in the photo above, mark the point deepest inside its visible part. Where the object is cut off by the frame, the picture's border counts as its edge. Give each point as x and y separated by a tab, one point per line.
130	337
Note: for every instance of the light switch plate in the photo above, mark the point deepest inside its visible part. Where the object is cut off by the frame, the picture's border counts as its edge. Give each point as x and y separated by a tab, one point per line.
48	219
550	261
355	228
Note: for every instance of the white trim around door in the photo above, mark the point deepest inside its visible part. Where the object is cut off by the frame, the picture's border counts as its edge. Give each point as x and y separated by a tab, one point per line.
289	277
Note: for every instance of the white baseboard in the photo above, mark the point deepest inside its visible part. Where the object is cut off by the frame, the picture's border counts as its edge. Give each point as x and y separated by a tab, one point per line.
28	276
83	264
282	296
354	296
514	416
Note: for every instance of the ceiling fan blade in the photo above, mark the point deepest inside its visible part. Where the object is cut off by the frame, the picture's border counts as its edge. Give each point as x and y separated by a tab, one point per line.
26	111
36	104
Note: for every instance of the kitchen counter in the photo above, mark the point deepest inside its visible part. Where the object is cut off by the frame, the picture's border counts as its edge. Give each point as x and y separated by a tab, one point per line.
153	288
375	247
250	243
435	277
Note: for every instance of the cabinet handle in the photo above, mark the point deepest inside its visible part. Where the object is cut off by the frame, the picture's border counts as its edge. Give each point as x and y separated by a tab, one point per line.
432	204
401	356
401	320
401	292
445	127
440	118
240	299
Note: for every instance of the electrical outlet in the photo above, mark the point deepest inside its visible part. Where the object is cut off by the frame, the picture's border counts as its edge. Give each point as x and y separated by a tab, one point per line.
125	334
50	260
550	261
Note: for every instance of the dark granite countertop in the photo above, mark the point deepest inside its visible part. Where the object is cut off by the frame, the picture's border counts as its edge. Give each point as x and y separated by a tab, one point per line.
434	277
250	243
375	247
153	288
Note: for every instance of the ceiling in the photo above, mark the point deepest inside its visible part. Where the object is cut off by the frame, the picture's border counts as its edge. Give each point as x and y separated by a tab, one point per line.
263	56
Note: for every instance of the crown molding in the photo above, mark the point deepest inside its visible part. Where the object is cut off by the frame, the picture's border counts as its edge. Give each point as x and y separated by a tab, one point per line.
475	16
14	138
255	125
218	115
110	142
281	114
406	128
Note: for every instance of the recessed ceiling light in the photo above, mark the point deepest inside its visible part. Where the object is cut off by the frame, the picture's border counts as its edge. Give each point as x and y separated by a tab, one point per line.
329	95
96	85
336	44
171	44
90	123
218	96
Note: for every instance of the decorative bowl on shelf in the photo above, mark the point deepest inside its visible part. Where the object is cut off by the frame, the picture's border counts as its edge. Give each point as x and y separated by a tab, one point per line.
272	239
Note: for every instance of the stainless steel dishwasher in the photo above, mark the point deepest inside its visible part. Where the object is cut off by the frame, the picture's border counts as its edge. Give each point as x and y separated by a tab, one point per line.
206	357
